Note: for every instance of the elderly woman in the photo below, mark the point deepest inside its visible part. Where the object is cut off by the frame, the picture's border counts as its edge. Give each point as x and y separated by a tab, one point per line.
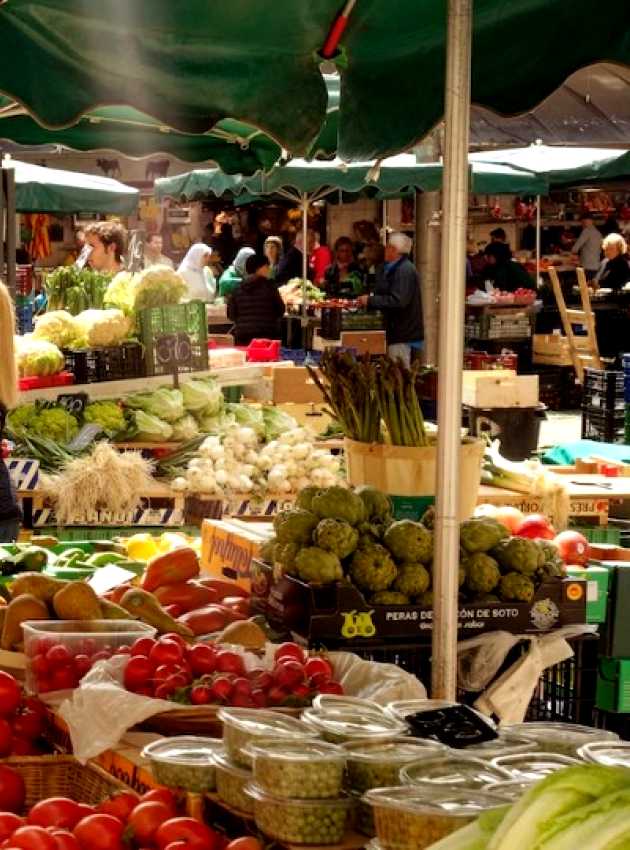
235	274
199	280
614	272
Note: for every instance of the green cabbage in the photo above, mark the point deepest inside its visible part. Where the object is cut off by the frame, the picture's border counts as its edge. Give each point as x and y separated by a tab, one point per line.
247	416
216	423
151	429
200	395
121	293
164	403
277	422
22	419
185	428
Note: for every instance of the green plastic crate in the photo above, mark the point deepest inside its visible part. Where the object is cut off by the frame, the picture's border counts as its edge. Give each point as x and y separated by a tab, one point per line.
599	533
598	584
613	685
232	395
187	318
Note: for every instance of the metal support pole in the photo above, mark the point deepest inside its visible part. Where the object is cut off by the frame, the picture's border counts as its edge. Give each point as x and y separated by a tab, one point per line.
385	222
11	230
427	260
451	346
305	256
537	240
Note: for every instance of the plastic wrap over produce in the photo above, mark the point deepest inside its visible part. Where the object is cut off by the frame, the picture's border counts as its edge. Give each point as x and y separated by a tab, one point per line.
100	711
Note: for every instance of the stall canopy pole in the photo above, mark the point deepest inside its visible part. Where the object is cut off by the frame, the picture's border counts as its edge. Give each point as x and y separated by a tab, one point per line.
305	257
453	288
385	222
11	232
537	240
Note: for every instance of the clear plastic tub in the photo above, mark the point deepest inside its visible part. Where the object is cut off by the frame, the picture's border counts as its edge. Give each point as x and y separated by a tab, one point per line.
607	753
512	789
243	727
377	764
402	708
231	781
185	762
340	727
452	771
532	766
414	818
305	770
94	639
332	702
319	822
563	738
506	744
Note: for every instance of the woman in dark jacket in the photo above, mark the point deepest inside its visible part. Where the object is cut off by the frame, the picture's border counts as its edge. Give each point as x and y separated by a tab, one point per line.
344	278
9	511
256	306
614	272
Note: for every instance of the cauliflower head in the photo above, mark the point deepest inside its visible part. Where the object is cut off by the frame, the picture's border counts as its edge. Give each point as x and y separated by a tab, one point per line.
409	541
390	597
157	286
482	573
107	414
316	566
305	498
373	568
519	554
481	535
103	328
58	327
336	535
295	526
338	503
412	580
378	506
36	357
515	587
121	292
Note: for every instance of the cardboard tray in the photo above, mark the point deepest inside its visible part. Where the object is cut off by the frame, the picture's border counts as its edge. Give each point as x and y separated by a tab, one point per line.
339	612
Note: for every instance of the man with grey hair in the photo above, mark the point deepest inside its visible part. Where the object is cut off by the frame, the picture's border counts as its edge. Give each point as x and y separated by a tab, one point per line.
397	296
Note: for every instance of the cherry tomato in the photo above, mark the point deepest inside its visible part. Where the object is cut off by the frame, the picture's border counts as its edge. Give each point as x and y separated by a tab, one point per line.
164	672
230	662
10	694
245	843
175	637
33	838
39	665
142	646
99	832
55	811
12	790
82	665
138	672
160	795
202	659
318	669
65	840
166	652
9	823
63	678
6	737
196	835
146	819
290	650
120	805
29	724
331	688
58	655
288	674
201	695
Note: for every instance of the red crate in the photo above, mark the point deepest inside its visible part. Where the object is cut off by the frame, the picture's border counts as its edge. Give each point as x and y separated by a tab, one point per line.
62	379
263	350
480	360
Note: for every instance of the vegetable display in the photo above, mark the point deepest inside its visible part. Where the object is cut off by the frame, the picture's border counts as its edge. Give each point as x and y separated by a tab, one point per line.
36	357
75	290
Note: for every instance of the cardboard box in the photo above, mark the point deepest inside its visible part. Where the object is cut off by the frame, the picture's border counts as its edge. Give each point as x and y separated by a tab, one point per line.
613	685
499	388
295	385
365	342
227	548
597	582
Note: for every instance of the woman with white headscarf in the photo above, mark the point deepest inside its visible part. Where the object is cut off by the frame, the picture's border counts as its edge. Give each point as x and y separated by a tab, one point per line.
235	274
199	279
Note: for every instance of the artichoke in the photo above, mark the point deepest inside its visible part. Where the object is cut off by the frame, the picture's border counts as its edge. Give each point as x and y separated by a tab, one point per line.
285	555
316	566
515	587
337	536
488	597
305	498
268	550
390	597
378	506
338	503
519	554
482	573
295	526
409	541
481	535
428	518
412	580
426	600
372	568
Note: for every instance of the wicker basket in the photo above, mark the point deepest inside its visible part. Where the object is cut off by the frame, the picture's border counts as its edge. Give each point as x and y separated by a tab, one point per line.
195	720
63	776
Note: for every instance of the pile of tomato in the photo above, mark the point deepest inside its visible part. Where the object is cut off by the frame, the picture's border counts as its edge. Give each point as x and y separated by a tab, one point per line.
202	674
22	720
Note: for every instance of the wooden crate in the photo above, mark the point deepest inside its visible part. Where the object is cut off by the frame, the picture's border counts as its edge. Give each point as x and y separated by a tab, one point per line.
553	349
365	342
296	386
499	388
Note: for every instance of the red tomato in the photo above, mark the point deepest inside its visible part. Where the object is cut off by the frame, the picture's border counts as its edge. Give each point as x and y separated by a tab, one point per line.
9	823
99	832
288	674
10	694
82	665
65	840
318	670
138	672
120	805
246	843
259	698
28	724
331	688
143	646
12	791
6	737
63	678
39	665
87	810
536	526
24	747
263	680
55	811
33	838
201	695
166	652
277	696
146	818
177	638
290	650
202	659
160	795
573	547
195	835
230	662
222	688
58	655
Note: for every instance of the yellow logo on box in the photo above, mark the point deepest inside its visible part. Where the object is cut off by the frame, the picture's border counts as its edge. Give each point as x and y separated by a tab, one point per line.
575	592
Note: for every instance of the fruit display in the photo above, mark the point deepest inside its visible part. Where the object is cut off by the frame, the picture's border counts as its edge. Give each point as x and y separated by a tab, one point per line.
301	770
22	723
320	822
184	762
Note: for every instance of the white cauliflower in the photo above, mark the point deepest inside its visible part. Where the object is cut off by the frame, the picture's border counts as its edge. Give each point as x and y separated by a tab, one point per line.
60	328
103	328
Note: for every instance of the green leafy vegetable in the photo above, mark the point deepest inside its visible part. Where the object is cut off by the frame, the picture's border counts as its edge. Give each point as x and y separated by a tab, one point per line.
151	429
108	414
165	403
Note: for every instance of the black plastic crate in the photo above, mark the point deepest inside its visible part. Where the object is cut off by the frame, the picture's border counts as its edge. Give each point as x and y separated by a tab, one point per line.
603	426
603	390
179	320
117	363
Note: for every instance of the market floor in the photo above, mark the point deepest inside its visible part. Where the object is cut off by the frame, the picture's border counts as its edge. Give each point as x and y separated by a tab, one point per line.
560	427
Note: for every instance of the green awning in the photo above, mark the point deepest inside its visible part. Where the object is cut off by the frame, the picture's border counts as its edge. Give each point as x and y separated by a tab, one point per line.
49	190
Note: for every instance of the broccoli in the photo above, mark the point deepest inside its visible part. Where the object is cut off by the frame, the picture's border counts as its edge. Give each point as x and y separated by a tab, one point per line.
412	580
57	425
296	526
482	573
409	541
515	587
22	419
378	506
316	566
426	600
108	414
338	503
305	498
372	568
481	535
336	535
390	597
519	554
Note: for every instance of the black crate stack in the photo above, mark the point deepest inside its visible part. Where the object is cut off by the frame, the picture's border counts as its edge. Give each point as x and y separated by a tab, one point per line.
603	406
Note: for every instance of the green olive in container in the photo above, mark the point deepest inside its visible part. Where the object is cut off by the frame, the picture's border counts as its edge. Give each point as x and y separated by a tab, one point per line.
340	727
243	727
184	762
308	770
450	770
563	738
231	780
317	822
377	764
528	767
414	818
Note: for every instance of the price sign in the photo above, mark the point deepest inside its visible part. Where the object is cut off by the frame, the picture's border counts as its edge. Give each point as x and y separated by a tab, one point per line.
173	351
74	403
85	437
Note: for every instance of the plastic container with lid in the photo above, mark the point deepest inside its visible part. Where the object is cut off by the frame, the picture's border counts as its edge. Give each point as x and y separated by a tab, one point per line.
185	762
306	770
317	822
414	817
452	771
607	753
341	727
334	702
377	764
245	726
506	744
231	782
563	738
402	708
511	789
532	766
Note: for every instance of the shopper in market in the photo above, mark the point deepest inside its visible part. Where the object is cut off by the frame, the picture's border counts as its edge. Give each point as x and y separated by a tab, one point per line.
153	255
194	268
614	271
344	278
235	273
588	247
108	242
291	263
320	260
256	306
272	249
397	296
505	273
9	511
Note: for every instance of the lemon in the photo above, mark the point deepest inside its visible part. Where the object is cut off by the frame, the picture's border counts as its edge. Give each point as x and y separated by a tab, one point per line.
141	547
